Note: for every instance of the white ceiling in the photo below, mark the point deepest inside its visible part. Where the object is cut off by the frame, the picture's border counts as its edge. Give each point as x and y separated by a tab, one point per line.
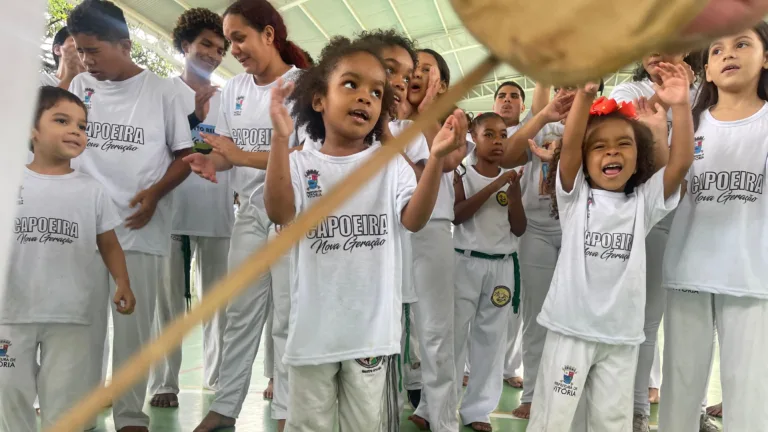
431	23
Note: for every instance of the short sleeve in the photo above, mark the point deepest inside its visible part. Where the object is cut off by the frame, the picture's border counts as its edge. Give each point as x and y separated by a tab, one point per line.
177	133
223	126
418	150
624	93
656	208
406	186
566	201
293	160
107	217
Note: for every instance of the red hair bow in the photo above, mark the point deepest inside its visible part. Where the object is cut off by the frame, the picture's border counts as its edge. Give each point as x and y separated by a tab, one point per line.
605	106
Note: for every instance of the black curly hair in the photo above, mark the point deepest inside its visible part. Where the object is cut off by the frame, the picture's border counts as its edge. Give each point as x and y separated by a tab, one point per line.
381	38
645	160
315	81
99	18
694	60
191	23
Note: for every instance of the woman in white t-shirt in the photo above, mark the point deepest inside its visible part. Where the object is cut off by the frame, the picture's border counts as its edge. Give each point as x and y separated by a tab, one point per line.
607	196
347	272
715	262
646	76
259	42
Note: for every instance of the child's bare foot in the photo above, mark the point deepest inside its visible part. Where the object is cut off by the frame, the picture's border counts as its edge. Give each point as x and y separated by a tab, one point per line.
480	427
268	392
164	400
214	421
516	382
523	411
716	410
280	425
420	422
466	380
653	395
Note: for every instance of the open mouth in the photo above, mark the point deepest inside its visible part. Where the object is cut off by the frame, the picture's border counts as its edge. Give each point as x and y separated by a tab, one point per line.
72	143
415	88
654	63
360	115
397	99
242	60
730	68
612	170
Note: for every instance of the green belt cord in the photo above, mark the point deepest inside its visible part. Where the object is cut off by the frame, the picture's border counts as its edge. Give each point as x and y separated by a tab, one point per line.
407	354
186	251
516	295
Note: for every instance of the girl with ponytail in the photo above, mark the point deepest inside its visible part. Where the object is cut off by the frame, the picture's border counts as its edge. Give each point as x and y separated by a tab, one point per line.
241	149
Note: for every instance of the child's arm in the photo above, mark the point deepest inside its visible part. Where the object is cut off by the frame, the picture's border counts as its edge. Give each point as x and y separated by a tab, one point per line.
278	190
674	92
464	208
114	258
515	212
573	137
657	123
418	210
540	98
515	148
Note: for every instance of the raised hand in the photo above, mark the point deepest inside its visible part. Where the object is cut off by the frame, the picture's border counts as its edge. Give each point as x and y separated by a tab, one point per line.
225	147
653	117
544	153
202	166
203	101
514	190
675	87
452	133
433	86
282	123
591	88
557	109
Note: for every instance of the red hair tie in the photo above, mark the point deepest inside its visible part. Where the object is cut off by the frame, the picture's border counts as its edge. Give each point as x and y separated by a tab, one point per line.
604	106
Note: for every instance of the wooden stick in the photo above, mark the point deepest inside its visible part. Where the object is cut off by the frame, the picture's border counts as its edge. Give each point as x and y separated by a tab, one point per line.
138	366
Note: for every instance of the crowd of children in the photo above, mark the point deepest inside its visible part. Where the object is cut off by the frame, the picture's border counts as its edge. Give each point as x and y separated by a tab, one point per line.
489	242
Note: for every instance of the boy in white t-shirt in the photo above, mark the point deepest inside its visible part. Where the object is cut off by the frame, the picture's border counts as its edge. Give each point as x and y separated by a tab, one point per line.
137	134
47	297
347	272
202	212
608	199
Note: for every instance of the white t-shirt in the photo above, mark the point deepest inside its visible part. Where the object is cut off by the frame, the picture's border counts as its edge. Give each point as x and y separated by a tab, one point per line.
202	208
57	221
537	200
598	290
48	79
244	117
718	242
346	273
488	230
134	126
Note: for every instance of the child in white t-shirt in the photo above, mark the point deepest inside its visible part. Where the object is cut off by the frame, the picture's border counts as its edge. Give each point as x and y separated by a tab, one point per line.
47	297
715	267
346	298
607	198
489	219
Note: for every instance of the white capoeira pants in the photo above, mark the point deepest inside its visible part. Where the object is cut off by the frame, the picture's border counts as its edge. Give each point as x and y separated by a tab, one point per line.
572	369
433	267
58	380
356	389
742	330
513	357
538	257
209	258
269	345
246	314
655	381
148	274
281	311
485	288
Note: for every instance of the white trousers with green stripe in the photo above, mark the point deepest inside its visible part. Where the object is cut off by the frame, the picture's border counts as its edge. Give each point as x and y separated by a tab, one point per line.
485	289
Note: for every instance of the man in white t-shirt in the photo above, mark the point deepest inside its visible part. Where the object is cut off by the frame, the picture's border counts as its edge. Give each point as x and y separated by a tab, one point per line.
137	134
68	64
202	210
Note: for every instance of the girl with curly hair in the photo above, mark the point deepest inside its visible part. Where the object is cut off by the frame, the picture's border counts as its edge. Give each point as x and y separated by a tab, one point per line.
346	298
608	196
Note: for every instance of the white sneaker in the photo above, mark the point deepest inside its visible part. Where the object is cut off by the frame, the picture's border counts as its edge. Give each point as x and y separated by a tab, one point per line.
640	423
706	424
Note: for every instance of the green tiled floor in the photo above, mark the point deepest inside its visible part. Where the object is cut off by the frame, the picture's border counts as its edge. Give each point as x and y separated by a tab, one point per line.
194	401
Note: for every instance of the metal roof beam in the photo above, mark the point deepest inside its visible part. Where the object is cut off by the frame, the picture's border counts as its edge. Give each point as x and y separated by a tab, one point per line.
399	19
354	15
450	40
314	21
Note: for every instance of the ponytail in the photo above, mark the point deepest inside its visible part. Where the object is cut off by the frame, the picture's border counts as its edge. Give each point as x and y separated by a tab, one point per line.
292	54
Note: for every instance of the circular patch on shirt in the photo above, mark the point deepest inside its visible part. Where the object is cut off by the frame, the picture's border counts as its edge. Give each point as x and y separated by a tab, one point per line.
501	198
370	362
501	296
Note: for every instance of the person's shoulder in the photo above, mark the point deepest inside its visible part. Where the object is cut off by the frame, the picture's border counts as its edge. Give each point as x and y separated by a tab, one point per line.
293	74
634	88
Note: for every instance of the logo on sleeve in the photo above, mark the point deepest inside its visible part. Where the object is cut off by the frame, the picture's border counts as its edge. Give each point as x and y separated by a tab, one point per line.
5	360
501	296
313	186
239	105
87	99
565	385
698	150
501	198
